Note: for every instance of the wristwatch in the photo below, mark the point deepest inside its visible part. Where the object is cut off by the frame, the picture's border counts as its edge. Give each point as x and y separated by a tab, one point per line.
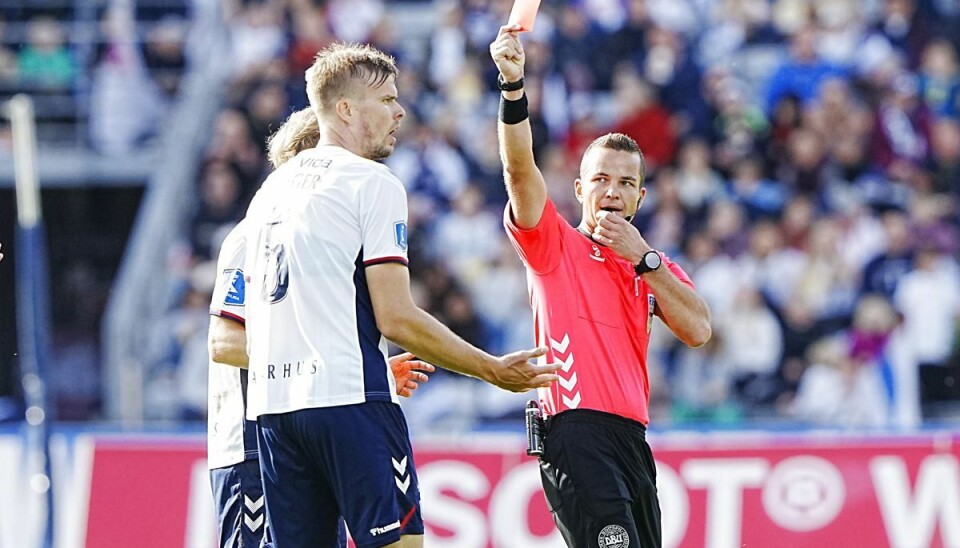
509	86
650	261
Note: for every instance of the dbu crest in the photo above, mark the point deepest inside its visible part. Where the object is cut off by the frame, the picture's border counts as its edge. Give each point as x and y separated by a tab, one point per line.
613	536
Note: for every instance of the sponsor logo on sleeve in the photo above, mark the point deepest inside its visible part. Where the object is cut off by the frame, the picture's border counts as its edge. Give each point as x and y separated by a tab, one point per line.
400	234
236	292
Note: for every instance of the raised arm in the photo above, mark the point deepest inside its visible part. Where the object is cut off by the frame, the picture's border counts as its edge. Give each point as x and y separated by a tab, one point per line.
404	323
525	185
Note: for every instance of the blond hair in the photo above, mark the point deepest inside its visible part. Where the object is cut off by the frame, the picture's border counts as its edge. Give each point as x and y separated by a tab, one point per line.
299	132
340	66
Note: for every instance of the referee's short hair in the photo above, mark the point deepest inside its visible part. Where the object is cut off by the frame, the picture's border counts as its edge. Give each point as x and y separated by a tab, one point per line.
339	67
617	141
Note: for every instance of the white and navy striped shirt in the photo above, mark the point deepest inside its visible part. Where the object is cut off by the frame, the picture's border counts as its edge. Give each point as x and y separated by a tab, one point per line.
315	224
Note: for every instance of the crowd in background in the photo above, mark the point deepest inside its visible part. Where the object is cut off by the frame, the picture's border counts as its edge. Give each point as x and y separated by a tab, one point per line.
100	75
803	166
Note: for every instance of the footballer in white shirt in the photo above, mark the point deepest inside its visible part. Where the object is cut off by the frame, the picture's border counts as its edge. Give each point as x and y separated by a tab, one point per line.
328	285
232	443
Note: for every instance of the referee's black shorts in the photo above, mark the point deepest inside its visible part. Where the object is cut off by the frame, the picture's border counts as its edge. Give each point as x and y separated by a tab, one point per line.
600	481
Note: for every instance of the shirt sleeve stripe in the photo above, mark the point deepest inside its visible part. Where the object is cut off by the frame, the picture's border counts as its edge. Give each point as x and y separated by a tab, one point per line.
228	316
382	260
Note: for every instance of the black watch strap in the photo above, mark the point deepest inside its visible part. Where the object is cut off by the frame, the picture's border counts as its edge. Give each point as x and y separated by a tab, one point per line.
509	86
650	261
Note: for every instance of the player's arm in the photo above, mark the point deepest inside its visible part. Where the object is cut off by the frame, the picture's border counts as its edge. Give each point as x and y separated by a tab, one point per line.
404	323
680	307
227	342
526	187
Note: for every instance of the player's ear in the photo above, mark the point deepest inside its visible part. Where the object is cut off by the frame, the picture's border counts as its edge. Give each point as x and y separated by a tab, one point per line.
578	190
344	110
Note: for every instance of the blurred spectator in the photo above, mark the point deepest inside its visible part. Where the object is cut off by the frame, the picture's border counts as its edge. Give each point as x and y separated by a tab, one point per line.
498	292
8	58
905	28
751	343
354	20
801	74
433	171
939	79
164	55
882	273
697	182
944	163
663	221
642	117
46	61
468	237
233	144
701	385
257	36
834	391
668	65
447	47
902	141
769	265
125	103
310	34
805	168
928	297
628	41
266	108
220	208
825	282
739	125
839	30
735	25
761	197
573	48
726	221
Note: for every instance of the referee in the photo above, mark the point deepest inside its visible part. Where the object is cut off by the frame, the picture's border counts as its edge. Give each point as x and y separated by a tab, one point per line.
594	290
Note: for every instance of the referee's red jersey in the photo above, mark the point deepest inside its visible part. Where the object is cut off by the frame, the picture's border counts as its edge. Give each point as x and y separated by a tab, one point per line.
593	314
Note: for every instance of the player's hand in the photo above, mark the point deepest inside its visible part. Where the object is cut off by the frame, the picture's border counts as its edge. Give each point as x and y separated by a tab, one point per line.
1	254
507	53
516	373
409	373
620	236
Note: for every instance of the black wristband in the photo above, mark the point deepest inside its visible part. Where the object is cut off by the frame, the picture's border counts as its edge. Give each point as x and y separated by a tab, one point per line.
513	112
503	85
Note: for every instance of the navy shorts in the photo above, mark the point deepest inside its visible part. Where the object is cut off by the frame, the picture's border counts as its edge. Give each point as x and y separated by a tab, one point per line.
351	460
238	497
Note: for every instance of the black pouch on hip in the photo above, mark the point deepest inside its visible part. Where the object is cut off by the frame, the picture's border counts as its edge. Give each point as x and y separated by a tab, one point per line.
535	428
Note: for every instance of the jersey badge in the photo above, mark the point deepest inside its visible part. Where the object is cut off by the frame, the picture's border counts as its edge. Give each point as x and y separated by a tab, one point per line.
596	255
400	234
237	292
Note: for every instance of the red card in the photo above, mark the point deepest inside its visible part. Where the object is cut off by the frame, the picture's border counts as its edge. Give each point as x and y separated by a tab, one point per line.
524	13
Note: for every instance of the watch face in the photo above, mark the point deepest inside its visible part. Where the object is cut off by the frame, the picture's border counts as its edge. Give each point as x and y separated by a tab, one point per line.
652	260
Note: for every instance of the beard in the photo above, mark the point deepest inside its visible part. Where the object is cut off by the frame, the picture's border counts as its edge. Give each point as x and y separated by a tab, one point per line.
378	152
